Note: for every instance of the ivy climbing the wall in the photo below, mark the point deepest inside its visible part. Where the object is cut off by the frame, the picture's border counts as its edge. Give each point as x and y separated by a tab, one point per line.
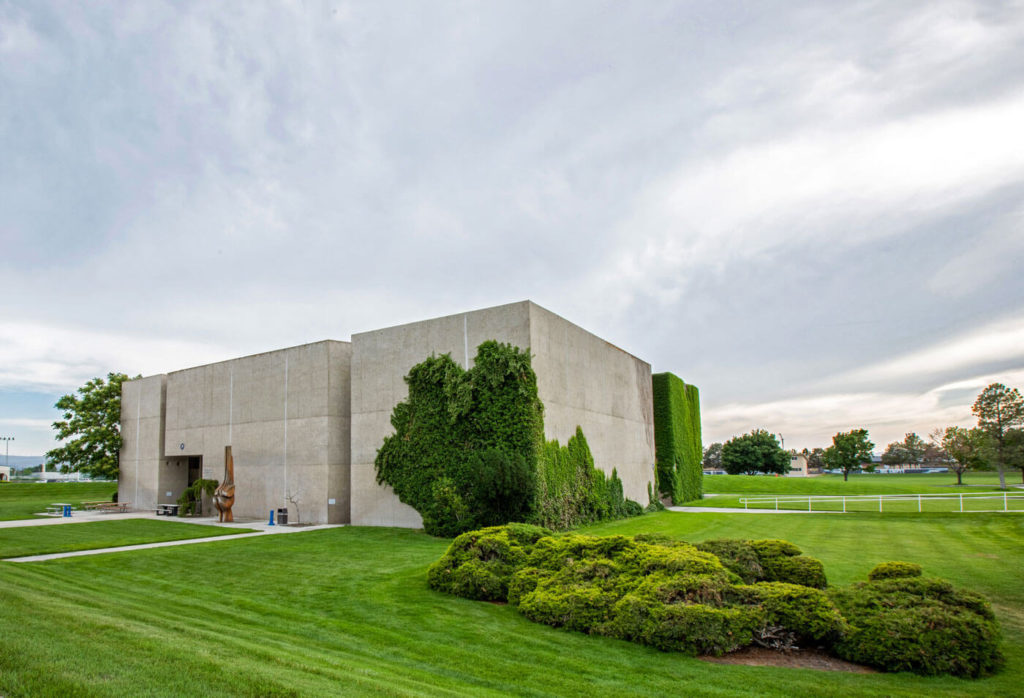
468	450
678	450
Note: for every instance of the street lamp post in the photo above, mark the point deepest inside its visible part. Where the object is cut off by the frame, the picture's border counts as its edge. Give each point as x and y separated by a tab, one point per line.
7	454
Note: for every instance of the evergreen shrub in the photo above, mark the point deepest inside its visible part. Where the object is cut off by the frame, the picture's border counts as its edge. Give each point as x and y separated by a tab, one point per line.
917	624
894	570
675	596
479	564
805	612
678	449
767	561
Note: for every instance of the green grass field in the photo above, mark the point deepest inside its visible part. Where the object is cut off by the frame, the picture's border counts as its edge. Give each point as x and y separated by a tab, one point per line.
21	500
40	540
727	490
347	611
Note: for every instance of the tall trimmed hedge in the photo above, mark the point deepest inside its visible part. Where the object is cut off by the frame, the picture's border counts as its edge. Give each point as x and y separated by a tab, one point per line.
468	450
678	450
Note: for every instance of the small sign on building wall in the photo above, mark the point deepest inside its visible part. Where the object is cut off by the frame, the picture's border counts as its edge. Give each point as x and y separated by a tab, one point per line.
330	501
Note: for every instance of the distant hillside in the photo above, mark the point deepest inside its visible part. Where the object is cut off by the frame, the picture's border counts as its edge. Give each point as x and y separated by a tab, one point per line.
19	462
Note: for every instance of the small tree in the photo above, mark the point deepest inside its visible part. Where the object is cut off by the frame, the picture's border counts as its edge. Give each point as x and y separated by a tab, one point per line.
966	449
849	450
815	460
999	409
756	452
713	457
910	451
92	422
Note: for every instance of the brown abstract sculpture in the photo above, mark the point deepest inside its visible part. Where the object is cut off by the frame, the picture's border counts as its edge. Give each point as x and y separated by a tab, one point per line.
224	495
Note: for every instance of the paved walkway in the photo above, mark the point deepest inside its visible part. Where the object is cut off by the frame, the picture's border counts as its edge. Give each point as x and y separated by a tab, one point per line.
256	528
737	510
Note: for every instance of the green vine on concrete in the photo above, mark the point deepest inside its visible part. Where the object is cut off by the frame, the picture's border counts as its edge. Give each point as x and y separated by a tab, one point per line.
468	450
677	438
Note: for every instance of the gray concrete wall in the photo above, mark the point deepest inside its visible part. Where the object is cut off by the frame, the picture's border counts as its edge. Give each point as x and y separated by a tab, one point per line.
380	361
581	379
285	414
585	381
142	447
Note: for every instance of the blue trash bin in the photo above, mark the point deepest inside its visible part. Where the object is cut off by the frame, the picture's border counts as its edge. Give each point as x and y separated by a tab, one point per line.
67	510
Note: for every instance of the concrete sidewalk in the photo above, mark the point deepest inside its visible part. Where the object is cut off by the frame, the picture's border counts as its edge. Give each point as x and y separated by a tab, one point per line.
256	528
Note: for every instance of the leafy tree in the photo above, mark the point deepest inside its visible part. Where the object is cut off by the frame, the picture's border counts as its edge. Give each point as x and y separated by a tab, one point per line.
756	452
966	449
999	409
713	457
1015	450
92	422
849	450
815	458
910	451
894	454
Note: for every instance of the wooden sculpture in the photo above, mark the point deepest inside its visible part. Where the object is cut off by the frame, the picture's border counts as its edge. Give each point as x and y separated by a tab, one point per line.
224	495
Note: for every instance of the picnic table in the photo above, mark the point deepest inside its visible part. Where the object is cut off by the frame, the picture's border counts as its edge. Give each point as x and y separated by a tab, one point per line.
167	509
106	507
59	509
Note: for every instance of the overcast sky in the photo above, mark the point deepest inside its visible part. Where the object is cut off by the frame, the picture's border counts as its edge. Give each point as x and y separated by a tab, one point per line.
812	211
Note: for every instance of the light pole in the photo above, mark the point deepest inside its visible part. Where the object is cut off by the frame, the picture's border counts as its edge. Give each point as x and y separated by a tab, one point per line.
7	454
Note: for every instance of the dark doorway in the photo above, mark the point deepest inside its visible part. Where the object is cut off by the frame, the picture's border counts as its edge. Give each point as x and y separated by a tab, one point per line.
195	469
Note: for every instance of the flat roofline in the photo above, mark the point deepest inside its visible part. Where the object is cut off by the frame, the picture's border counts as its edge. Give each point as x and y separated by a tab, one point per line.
527	302
441	317
246	356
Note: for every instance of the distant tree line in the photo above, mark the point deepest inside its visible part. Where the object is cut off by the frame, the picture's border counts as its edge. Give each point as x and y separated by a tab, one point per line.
996	442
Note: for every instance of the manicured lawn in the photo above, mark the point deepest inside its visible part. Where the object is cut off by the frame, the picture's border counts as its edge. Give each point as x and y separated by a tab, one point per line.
729	489
347	611
20	500
62	538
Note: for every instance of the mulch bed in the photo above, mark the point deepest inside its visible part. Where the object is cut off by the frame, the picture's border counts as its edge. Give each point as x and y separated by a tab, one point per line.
796	659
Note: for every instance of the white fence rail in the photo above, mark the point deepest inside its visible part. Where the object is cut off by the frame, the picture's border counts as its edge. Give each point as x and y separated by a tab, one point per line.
1001	501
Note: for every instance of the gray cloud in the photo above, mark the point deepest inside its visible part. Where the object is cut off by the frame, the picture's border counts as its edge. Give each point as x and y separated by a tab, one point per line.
768	199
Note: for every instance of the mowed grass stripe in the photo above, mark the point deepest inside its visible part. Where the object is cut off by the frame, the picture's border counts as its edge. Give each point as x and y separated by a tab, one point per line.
457	657
68	537
22	500
347	611
138	619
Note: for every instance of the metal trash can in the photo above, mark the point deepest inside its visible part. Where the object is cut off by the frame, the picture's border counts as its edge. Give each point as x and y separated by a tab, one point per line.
282	517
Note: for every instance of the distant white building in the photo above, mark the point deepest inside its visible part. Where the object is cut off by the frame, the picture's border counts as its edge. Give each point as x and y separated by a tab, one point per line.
798	466
5	473
53	476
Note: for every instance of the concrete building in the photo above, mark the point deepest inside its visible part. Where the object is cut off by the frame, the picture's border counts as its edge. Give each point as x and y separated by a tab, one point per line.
305	423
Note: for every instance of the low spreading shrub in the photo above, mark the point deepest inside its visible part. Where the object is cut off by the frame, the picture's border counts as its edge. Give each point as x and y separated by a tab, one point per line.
722	595
738	556
767	561
805	613
921	625
479	564
894	570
